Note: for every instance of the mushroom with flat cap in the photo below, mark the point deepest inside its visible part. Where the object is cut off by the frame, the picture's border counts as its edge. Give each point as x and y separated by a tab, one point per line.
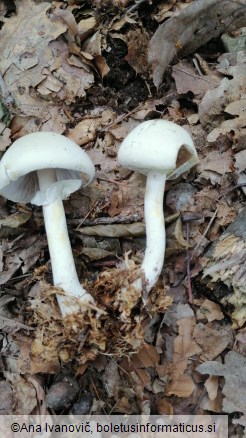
161	150
44	168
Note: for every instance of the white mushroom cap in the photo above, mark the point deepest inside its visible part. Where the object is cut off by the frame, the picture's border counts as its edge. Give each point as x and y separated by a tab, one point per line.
160	146
43	150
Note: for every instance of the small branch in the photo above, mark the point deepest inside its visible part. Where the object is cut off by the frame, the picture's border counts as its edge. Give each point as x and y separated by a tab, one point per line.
190	295
136	6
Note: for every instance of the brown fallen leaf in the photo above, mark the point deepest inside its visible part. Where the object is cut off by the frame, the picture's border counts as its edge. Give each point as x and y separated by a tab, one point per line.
111	378
24	66
165	10
187	79
4	137
6	398
212	385
163	406
217	163
209	310
181	386
137	43
24	393
23	253
11	325
114	230
212	405
146	357
115	200
84	131
234	372
189	29
227	98
124	405
225	272
184	346
211	340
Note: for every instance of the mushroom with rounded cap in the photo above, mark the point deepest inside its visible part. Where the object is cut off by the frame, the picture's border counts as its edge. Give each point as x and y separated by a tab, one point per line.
44	168
161	150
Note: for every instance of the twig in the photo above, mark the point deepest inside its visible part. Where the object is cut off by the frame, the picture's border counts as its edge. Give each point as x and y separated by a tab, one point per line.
190	295
204	234
87	214
136	6
200	78
121	117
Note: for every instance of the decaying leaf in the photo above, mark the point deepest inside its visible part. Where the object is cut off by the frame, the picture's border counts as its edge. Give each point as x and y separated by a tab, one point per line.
181	386
22	253
184	347
115	230
187	79
24	394
228	98
13	222
84	131
211	386
4	137
209	310
194	26
211	340
111	379
224	268
137	43
96	329
24	54
233	370
215	165
13	325
6	398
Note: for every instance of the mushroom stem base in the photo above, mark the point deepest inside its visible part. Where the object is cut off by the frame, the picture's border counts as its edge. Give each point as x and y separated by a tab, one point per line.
61	256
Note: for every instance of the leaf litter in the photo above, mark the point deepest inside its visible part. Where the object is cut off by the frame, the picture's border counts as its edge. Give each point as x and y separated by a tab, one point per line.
85	73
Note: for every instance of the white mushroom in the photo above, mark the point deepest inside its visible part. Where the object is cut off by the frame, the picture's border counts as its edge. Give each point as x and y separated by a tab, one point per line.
161	150
43	168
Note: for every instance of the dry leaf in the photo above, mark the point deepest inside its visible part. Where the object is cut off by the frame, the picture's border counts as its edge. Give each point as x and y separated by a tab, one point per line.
224	262
184	345
163	406
24	394
84	131
137	43
187	79
115	230
181	386
212	385
234	372
189	29
209	310
111	379
25	55
6	398
211	340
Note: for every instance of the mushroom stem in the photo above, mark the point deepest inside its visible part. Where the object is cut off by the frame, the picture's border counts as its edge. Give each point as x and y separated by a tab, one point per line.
61	256
155	227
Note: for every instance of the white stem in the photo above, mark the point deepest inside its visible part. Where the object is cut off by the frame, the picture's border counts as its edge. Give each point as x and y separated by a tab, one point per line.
155	228
61	256
155	231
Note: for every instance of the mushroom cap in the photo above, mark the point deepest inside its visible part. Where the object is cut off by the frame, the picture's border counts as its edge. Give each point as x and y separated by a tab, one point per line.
43	150
158	145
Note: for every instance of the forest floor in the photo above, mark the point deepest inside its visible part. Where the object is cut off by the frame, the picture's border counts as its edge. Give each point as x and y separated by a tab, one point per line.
94	70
